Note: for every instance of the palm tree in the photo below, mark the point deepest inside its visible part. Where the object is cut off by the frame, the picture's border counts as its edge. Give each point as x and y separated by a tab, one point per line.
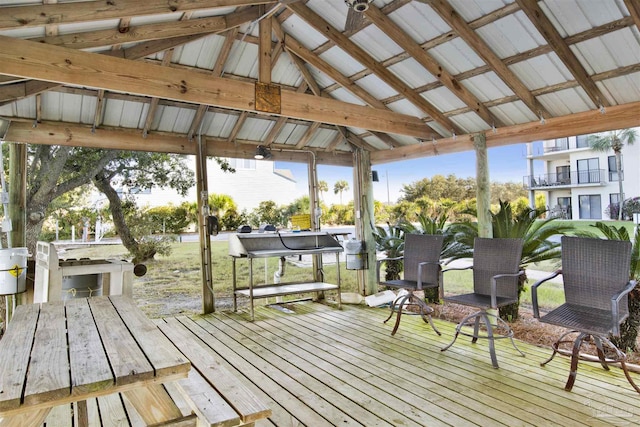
339	187
391	242
629	328
323	187
536	234
615	140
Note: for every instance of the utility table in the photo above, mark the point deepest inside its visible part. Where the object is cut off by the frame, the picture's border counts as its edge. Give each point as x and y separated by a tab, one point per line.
56	353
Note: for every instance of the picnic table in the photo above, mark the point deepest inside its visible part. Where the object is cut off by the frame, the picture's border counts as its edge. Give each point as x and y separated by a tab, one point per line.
56	353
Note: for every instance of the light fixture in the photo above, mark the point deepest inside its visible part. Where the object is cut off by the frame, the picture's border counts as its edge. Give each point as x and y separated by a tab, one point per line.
358	5
262	152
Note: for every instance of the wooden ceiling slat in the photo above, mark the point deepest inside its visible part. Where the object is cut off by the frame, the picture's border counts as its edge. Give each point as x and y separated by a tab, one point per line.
69	13
162	30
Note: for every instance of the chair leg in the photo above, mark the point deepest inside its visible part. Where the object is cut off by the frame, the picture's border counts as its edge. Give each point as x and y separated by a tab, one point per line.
600	352
556	345
475	318
575	356
492	346
410	298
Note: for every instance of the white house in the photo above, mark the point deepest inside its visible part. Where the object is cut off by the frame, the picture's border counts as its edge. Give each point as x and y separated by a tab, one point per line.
253	182
579	182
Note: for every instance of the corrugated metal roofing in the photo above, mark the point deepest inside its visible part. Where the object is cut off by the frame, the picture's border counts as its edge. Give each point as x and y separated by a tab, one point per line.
507	36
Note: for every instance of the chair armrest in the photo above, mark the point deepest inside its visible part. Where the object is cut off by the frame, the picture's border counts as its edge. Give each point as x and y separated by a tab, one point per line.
419	282
494	286
615	301
379	264
534	292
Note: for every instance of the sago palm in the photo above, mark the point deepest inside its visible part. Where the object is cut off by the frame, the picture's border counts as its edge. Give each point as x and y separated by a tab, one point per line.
536	234
391	242
629	328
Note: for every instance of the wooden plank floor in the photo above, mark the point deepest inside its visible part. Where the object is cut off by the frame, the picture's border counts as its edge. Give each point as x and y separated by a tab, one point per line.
321	366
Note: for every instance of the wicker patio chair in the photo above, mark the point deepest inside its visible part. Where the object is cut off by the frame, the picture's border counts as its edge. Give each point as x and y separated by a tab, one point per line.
421	270
595	273
495	284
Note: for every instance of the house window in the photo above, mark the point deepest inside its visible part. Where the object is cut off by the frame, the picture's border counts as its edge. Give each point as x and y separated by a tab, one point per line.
239	164
590	206
588	171
138	190
613	170
582	141
563	175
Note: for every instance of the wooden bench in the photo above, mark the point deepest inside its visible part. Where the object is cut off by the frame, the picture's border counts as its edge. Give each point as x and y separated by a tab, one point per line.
210	396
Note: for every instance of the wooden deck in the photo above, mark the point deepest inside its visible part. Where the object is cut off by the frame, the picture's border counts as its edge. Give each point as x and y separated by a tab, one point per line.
321	366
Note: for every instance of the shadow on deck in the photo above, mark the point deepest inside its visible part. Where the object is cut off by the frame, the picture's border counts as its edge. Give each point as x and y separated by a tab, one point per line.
321	366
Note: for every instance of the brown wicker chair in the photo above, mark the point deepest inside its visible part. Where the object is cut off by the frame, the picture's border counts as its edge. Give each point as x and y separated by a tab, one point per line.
595	273
496	273
421	270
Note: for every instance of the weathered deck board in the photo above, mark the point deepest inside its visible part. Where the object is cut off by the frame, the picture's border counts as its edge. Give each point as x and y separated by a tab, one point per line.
344	366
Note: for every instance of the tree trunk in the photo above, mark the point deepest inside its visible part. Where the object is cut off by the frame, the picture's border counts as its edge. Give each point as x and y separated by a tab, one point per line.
619	171
115	207
629	328
509	313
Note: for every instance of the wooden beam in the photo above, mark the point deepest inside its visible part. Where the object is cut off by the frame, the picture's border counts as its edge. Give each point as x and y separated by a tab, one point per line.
163	30
392	30
615	117
633	6
71	134
97	116
236	128
34	60
317	22
555	40
307	135
296	48
264	48
460	26
68	13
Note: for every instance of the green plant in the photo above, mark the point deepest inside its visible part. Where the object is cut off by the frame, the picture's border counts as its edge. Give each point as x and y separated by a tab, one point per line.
390	240
629	328
536	234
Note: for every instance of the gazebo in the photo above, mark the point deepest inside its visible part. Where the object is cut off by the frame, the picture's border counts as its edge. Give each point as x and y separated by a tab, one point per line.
354	83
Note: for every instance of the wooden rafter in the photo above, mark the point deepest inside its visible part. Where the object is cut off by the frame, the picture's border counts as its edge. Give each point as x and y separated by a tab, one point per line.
553	37
430	64
304	140
69	13
297	49
633	6
464	31
365	59
264	48
163	30
236	128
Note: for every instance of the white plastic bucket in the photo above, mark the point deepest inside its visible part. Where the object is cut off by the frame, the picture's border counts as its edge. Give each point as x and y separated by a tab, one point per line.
13	270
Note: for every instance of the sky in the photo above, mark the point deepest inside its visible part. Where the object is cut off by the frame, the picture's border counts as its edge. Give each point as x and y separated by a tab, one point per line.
506	164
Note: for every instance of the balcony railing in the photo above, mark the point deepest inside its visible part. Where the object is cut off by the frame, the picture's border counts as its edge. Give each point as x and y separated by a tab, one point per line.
565	179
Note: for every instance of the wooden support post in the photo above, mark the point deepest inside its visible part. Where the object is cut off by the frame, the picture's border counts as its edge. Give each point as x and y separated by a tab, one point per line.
18	193
483	192
313	205
364	219
202	187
